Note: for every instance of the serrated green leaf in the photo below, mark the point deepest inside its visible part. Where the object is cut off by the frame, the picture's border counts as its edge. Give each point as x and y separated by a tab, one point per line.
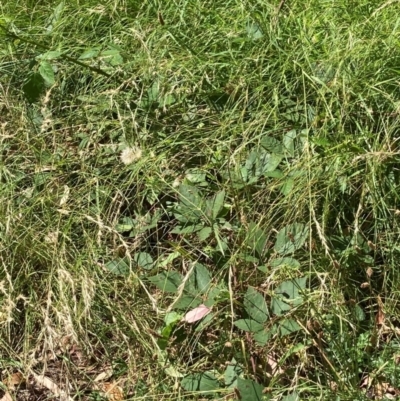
201	382
255	305
248	325
143	260
291	238
249	390
167	281
118	266
46	71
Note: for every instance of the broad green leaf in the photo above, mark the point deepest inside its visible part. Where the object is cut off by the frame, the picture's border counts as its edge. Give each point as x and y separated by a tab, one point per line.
112	56
204	233
254	31
90	53
287	186
291	238
187	301
288	326
126	224
118	266
291	397
288	262
232	372
249	390
46	71
191	202
143	260
202	278
167	281
187	229
287	295
266	163
248	325
50	55
271	145
218	203
262	336
172	318
288	142
256	238
173	372
33	87
255	305
202	382
195	176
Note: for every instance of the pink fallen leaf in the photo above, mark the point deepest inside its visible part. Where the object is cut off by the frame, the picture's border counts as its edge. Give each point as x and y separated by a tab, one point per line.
196	314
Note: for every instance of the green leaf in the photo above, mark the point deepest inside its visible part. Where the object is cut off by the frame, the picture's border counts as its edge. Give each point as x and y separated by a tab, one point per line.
288	142
288	326
218	203
167	281
126	224
188	301
143	260
291	397
287	295
46	71
254	31
256	239
255	305
287	186
248	325
202	382
249	390
232	372
266	163
89	53
291	238
262	336
287	262
50	55
187	229
202	278
195	176
204	233
118	266
271	144
33	87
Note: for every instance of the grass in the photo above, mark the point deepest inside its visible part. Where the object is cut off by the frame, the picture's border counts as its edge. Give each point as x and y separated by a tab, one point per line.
162	156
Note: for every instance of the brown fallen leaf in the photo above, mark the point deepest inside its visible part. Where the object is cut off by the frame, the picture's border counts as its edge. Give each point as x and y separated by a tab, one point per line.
13	381
113	392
